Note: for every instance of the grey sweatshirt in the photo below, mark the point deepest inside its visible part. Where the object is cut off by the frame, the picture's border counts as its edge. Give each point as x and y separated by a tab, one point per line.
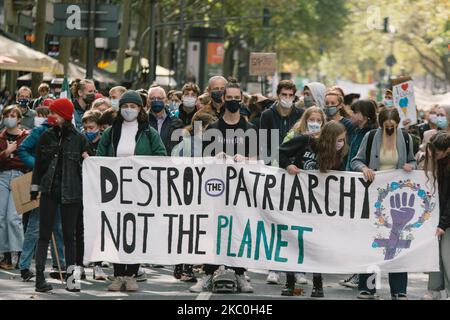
359	161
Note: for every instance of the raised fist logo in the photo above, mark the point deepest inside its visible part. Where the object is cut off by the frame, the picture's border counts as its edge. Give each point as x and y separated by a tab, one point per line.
402	211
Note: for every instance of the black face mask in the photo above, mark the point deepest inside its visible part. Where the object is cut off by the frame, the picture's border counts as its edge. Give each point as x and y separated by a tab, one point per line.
233	105
90	97
390	131
217	95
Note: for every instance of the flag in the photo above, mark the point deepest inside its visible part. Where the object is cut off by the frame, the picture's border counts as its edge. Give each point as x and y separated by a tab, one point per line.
65	89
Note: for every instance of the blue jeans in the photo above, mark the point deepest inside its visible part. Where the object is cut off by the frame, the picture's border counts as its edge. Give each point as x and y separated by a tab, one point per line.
32	237
398	283
11	228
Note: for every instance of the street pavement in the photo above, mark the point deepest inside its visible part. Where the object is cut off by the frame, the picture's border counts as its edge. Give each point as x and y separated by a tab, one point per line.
161	285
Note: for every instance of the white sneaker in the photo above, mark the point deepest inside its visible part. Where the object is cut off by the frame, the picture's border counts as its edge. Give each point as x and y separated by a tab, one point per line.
244	285
350	282
300	278
99	274
203	284
141	276
432	295
273	277
105	264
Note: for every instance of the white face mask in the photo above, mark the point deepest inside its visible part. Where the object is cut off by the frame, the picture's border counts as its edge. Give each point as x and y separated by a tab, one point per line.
10	123
314	126
115	104
433	118
129	114
38	121
339	145
189	102
286	103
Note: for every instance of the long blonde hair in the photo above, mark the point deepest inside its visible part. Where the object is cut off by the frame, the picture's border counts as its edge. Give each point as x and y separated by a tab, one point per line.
301	126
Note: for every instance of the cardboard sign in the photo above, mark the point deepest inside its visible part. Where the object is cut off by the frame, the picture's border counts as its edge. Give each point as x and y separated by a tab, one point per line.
263	64
404	101
20	188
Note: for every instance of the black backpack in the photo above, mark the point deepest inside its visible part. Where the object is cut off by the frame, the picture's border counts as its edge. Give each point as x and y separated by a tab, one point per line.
370	141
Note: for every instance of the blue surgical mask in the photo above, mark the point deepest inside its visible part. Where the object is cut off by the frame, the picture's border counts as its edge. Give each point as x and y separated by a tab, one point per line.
442	122
157	106
330	111
91	135
173	106
129	114
389	103
115	104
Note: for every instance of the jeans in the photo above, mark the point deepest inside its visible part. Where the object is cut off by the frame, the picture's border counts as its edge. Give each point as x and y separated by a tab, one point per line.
69	216
32	237
398	283
439	281
11	228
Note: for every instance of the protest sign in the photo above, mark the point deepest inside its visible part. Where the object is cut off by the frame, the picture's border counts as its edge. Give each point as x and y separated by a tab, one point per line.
20	188
404	101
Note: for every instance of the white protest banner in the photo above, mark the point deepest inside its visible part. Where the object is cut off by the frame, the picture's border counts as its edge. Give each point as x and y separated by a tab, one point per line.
169	210
405	102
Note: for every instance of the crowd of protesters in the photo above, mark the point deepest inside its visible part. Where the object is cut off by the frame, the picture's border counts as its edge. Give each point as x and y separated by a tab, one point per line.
317	128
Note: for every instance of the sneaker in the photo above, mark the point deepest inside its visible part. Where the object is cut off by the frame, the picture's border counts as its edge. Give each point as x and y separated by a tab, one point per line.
131	284
288	290
317	291
400	296
273	277
177	271
111	278
105	264
188	276
432	295
140	276
99	274
26	275
300	278
247	277
366	295
350	282
54	273
243	285
6	266
117	284
204	284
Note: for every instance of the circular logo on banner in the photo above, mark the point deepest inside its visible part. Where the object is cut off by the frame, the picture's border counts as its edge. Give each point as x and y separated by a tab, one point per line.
214	187
397	214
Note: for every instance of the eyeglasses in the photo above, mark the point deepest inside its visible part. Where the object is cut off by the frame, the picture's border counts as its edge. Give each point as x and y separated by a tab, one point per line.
156	98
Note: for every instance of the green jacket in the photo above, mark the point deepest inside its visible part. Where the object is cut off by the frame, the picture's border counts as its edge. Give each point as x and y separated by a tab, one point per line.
148	142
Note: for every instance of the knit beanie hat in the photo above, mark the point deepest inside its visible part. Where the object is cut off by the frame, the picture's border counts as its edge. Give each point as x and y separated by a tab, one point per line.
131	96
63	107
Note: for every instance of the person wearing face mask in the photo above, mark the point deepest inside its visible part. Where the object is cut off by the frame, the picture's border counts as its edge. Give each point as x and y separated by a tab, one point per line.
91	128
439	120
306	152
230	132
11	167
430	119
281	116
57	176
114	96
437	169
388	100
26	152
130	135
85	96
160	120
215	89
314	95
174	102
311	123
23	99
385	148
187	108
334	110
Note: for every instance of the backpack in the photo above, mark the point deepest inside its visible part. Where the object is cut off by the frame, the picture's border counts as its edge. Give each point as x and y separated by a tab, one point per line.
370	141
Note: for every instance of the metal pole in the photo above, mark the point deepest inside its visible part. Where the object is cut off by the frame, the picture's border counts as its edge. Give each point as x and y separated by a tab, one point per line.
179	44
91	41
152	53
